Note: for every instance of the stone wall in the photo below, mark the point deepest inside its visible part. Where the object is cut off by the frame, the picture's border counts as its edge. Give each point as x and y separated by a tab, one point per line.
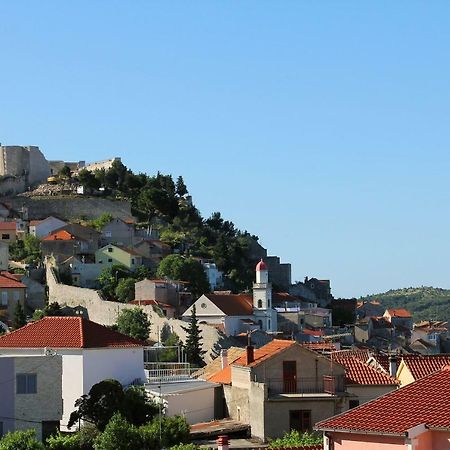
11	185
98	165
106	312
70	208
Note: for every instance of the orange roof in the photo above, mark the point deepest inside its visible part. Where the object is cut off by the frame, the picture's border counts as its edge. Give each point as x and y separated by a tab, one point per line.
61	235
222	377
35	222
400	312
320	346
426	402
422	365
10	281
358	372
233	304
66	332
265	352
316	333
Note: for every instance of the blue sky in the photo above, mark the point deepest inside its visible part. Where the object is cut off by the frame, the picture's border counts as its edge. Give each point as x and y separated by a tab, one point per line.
320	126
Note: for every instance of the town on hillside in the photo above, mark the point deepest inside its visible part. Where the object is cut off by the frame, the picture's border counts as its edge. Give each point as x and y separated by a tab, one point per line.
126	316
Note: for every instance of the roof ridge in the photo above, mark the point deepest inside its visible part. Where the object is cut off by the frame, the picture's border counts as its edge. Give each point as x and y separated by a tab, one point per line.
82	331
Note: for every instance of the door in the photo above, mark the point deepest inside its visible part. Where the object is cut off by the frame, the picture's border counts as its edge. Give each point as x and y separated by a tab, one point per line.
300	420
289	377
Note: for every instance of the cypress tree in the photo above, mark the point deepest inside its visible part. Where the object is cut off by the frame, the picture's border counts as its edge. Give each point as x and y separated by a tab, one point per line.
193	346
20	319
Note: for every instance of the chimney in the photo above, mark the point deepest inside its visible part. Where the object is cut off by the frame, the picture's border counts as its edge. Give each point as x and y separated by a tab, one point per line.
224	358
250	353
393	366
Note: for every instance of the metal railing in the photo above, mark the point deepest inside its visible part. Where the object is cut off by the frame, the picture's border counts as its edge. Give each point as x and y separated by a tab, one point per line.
306	385
167	372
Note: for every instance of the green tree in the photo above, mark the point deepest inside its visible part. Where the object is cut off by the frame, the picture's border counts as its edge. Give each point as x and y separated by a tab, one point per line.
118	435
134	323
19	319
296	439
101	221
177	267
65	172
107	398
124	291
52	309
181	188
174	430
81	440
109	279
88	179
170	354
21	440
192	345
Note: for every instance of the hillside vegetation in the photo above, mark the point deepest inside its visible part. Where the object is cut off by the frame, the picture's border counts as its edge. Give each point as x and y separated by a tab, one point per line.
423	302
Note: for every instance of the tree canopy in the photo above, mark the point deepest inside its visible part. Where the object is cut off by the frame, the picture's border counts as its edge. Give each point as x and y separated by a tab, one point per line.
192	345
134	323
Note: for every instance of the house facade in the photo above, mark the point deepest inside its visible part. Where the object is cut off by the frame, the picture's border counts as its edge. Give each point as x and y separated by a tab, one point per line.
117	231
110	255
8	232
31	393
90	353
282	386
12	291
42	228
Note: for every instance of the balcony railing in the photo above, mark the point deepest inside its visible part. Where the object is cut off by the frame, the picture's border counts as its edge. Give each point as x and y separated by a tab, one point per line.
328	384
168	372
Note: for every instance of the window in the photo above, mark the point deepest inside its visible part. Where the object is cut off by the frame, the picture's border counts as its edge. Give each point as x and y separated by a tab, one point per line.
110	249
300	420
259	303
5	236
108	234
353	403
100	261
4	298
1	429
26	383
109	259
16	296
132	260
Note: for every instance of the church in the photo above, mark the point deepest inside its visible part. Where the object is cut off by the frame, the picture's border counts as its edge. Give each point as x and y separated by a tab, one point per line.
239	313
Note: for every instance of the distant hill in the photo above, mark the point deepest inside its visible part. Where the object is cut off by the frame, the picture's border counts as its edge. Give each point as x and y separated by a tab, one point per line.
424	302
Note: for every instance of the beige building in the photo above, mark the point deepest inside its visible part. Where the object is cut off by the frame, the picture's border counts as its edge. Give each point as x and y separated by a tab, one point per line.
280	387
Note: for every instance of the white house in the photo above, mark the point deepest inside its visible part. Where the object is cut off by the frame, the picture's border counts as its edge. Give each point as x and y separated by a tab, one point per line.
237	313
90	353
42	228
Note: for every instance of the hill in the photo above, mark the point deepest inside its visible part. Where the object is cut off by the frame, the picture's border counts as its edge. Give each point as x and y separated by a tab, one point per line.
423	302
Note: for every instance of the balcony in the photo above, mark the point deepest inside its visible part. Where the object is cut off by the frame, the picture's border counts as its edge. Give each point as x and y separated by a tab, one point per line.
168	372
328	384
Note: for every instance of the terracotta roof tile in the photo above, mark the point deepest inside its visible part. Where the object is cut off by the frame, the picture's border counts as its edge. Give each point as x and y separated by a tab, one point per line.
426	401
233	304
422	365
9	281
8	226
61	235
222	377
215	365
358	372
399	312
265	352
66	332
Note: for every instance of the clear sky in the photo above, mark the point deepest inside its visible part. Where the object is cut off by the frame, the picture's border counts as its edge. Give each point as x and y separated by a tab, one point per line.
320	126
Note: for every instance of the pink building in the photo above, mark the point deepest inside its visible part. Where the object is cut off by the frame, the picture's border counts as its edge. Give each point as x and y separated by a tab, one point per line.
415	417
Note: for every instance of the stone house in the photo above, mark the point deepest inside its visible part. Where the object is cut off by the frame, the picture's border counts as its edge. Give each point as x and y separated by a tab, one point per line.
31	393
401	320
281	386
12	291
117	231
90	353
112	254
62	244
42	228
153	251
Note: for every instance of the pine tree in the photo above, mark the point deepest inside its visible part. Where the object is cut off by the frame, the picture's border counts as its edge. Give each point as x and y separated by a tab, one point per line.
20	319
193	346
181	188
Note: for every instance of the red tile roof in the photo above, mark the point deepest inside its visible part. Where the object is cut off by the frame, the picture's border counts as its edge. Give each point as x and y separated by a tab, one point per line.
66	332
422	365
8	226
222	377
10	281
400	312
358	372
265	352
152	302
426	401
316	333
233	304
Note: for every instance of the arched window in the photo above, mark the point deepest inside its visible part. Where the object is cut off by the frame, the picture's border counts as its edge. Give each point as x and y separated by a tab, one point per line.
259	303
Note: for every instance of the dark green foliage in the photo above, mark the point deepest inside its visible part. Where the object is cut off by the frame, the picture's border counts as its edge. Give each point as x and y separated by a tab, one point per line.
295	439
177	267
101	221
88	179
169	339
107	398
118	435
19	319
192	345
425	303
134	323
52	309
81	440
28	249
124	291
21	440
109	279
65	172
185	447
181	188
174	430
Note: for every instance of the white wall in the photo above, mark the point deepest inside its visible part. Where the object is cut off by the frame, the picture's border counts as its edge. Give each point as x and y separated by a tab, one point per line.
46	227
122	364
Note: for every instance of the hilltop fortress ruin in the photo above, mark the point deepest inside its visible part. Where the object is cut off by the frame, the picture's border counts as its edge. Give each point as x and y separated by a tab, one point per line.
24	167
